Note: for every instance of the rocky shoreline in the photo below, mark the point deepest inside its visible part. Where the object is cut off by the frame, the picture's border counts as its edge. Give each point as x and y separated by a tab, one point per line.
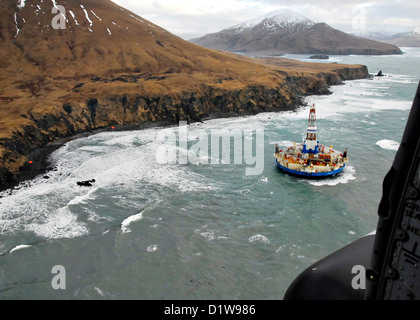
117	112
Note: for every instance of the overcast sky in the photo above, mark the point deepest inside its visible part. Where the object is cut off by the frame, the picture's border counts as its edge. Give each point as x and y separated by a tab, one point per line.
194	18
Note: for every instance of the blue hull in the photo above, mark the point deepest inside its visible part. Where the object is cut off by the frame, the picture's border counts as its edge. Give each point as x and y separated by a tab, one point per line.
308	174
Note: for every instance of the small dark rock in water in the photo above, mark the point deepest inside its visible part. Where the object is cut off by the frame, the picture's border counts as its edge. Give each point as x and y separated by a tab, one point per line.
320	56
46	177
86	183
380	74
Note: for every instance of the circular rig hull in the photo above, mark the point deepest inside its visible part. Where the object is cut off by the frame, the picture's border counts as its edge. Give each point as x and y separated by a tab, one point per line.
306	174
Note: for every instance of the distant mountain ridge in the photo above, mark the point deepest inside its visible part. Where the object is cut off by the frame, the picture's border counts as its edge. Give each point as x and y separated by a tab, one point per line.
287	32
402	39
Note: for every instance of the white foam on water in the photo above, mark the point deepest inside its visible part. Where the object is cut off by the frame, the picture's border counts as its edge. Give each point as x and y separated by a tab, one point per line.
41	208
281	248
356	96
127	157
264	179
20	247
94	149
372	123
61	223
44	207
137	217
83	199
129	220
360	96
343	178
388	144
152	248
282	143
99	291
259	238
209	235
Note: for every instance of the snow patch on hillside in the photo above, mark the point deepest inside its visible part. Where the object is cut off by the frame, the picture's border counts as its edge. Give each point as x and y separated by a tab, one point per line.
74	17
282	18
21	4
87	18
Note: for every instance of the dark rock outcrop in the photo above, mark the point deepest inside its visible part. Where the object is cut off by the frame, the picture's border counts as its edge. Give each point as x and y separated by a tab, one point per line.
87	183
319	57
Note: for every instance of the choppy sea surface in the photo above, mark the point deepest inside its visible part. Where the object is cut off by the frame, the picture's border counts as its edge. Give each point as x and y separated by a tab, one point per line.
154	226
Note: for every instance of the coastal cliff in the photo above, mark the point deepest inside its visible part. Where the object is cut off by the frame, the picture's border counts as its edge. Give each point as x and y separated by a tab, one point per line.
24	152
118	71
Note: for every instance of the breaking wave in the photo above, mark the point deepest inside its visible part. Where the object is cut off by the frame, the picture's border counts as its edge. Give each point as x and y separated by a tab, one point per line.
344	177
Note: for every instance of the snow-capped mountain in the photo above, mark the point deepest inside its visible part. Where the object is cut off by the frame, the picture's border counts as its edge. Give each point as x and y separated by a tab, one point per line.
283	18
285	31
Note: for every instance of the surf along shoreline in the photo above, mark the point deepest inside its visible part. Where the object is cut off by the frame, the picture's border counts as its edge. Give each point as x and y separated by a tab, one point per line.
299	86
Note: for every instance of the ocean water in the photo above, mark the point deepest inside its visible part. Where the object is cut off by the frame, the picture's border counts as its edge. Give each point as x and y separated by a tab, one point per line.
155	227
